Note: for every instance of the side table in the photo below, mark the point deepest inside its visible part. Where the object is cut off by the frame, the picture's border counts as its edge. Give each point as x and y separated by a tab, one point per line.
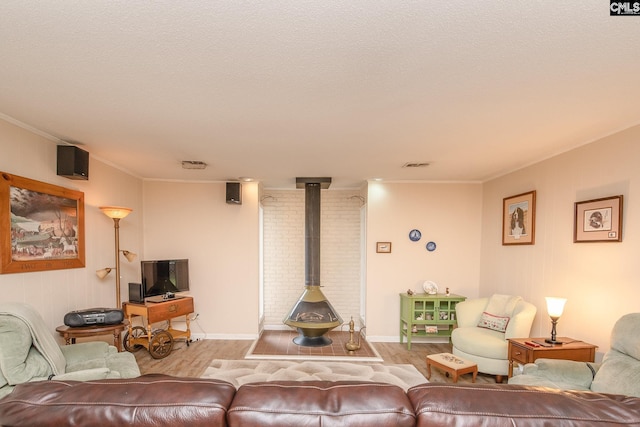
521	352
70	334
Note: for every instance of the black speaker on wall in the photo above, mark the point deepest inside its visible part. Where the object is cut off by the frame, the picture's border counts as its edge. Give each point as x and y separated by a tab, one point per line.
234	193
73	163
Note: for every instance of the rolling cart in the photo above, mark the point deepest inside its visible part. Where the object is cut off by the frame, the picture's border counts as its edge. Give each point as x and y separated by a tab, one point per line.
158	342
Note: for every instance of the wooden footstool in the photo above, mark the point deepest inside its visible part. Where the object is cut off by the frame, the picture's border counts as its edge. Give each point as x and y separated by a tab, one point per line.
452	365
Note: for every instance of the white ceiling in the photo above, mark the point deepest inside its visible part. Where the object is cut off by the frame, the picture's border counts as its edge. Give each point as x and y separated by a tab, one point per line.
348	89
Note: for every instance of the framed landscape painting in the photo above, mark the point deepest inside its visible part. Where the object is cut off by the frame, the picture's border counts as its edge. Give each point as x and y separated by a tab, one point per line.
519	219
41	226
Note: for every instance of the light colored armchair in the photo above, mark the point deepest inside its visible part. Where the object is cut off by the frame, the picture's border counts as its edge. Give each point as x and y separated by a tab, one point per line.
29	352
484	327
618	373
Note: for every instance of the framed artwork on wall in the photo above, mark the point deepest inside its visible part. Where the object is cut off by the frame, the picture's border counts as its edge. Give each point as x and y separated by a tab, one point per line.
598	220
383	247
41	226
519	219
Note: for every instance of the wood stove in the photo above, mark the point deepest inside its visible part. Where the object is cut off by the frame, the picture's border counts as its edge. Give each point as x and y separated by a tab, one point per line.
312	315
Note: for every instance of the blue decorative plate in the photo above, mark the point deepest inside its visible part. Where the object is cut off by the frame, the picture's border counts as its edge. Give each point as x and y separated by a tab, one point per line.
415	235
431	246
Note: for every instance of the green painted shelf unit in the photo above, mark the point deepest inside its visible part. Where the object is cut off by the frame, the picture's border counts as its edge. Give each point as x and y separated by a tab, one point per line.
424	315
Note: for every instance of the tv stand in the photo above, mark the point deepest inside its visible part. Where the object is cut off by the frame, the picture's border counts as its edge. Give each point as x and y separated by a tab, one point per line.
158	342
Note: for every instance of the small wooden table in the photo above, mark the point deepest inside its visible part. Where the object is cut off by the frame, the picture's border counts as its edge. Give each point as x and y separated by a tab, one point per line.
452	365
160	342
521	352
70	334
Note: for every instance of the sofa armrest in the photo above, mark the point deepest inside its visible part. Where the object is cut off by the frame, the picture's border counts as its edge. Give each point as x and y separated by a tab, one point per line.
86	351
564	374
85	375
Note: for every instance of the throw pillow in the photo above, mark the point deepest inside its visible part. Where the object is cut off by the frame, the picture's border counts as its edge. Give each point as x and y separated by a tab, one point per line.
495	323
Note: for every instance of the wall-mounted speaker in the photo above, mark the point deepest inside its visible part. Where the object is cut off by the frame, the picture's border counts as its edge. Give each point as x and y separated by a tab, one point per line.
234	193
73	163
136	294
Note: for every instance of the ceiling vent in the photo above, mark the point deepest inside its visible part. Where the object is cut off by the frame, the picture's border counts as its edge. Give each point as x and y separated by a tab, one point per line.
193	164
415	165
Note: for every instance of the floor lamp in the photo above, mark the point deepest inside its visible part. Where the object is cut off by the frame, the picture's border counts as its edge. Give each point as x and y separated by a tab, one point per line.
116	213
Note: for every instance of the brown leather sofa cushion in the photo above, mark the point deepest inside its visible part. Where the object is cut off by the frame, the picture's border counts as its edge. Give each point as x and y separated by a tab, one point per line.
320	403
149	400
441	404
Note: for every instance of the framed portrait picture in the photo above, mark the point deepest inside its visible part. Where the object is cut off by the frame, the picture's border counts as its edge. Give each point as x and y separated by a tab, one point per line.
519	219
41	226
383	247
598	220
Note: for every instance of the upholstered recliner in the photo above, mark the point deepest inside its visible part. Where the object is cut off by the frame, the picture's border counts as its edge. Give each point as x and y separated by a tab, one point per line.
484	327
29	352
618	373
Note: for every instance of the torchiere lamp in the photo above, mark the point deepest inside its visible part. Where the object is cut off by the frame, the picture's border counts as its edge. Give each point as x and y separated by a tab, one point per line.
116	213
555	307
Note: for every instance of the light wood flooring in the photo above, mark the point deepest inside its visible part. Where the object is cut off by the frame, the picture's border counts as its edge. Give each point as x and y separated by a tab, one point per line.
192	360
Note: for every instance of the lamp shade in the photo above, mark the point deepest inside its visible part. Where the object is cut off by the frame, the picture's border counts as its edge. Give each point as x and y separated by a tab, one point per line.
130	256
114	212
102	273
555	306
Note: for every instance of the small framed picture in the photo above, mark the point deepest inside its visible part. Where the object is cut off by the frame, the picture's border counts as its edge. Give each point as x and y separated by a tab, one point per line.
519	219
383	247
598	220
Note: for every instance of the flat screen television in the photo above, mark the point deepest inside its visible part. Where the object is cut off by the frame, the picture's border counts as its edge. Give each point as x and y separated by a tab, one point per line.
162	276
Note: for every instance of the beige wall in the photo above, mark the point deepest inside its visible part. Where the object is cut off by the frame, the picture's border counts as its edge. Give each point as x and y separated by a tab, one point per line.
221	241
54	293
449	215
600	280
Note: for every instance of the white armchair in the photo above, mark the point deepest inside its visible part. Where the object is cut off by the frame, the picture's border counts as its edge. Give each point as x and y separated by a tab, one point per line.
487	345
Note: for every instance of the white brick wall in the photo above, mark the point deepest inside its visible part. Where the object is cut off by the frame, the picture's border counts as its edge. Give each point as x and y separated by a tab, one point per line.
284	252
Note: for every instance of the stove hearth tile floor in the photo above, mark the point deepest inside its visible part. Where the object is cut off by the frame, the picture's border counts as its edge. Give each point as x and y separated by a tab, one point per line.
279	344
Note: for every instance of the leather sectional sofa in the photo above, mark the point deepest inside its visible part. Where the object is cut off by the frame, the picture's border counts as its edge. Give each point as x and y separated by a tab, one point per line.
159	400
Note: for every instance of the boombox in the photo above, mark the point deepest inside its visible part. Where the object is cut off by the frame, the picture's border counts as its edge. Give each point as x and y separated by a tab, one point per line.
94	316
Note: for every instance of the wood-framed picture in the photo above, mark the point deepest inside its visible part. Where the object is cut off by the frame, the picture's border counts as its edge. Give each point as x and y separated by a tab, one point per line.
383	247
519	219
41	226
598	220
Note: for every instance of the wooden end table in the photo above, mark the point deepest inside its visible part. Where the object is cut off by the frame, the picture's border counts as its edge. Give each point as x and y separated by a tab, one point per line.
70	334
521	352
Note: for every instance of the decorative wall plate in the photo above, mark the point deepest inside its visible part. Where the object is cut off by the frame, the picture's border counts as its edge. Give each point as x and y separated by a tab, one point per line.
431	246
430	287
415	235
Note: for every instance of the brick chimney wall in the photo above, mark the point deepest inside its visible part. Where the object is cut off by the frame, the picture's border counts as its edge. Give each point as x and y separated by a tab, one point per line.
284	252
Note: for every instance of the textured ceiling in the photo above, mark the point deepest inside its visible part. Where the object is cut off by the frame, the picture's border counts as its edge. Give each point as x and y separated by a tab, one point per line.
352	90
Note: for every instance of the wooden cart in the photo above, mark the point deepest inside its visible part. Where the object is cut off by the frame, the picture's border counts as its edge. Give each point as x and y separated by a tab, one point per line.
158	342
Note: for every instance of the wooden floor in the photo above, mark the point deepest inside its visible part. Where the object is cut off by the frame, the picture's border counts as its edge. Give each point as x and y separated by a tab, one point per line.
192	360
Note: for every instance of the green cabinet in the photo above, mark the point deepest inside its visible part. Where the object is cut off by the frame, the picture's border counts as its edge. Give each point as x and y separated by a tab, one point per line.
423	315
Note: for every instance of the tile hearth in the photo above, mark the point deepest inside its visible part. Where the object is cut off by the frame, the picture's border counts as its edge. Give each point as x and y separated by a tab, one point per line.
279	344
